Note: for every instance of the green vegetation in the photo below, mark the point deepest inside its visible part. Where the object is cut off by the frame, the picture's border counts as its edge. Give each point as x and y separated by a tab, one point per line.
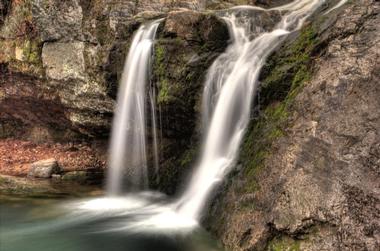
289	67
284	244
283	77
160	73
31	51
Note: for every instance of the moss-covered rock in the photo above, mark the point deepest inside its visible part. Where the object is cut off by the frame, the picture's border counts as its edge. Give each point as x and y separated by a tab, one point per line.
284	244
282	78
188	43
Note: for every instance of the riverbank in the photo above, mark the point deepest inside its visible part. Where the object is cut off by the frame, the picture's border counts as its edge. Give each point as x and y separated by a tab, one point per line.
18	187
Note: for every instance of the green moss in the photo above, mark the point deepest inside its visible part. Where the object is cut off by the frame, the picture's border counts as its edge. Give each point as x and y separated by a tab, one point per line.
284	76
257	145
188	157
284	244
163	94
289	67
35	51
160	71
26	57
32	50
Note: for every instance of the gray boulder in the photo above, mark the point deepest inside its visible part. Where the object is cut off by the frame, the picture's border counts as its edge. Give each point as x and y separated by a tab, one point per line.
44	168
58	20
64	61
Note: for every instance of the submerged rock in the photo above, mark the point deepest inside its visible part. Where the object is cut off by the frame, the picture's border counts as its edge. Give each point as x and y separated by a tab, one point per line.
78	176
44	169
88	177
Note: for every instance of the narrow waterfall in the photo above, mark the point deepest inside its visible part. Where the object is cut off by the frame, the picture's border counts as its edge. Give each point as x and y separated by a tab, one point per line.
152	97
128	161
338	5
230	88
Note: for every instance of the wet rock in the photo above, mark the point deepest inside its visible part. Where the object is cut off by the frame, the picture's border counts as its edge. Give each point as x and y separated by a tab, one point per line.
164	6
89	177
224	4
183	24
10	185
77	176
44	169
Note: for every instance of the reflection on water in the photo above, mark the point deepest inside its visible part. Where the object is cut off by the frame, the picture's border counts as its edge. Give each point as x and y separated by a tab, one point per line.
132	223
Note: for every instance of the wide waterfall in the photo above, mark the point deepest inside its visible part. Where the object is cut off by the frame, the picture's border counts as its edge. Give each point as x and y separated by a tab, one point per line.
128	161
230	88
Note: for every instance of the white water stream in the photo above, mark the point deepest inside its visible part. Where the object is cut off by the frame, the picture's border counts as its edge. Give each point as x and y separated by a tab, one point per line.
230	88
128	161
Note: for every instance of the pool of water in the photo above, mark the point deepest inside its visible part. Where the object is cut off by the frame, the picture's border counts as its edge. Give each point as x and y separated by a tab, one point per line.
134	223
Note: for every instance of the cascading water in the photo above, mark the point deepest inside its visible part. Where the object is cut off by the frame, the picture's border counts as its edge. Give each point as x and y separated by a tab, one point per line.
128	161
152	97
339	4
229	90
230	87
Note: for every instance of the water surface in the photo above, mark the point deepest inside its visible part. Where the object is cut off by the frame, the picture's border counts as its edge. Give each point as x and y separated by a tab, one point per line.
96	224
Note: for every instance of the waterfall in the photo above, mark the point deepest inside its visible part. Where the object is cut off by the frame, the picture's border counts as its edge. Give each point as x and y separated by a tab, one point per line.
338	5
152	97
230	88
128	161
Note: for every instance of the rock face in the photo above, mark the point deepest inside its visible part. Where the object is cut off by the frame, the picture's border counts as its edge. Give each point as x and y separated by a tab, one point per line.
71	53
44	169
59	20
311	181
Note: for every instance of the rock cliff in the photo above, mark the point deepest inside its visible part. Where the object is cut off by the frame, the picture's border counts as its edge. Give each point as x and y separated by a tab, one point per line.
308	174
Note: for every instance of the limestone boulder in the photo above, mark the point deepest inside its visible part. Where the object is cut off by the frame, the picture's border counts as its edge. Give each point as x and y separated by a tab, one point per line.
44	169
64	61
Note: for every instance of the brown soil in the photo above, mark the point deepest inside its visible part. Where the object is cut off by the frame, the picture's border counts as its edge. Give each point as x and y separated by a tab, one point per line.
17	155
